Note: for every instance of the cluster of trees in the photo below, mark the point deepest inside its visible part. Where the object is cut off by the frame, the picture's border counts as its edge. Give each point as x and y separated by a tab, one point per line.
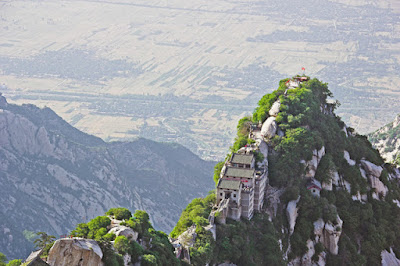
119	213
196	212
155	248
253	242
242	138
308	122
308	127
3	261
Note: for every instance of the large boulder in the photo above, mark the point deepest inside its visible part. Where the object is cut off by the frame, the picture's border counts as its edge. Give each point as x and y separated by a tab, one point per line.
268	129
75	251
121	230
275	108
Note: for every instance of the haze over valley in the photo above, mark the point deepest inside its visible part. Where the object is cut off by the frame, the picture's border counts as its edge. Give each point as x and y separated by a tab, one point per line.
174	70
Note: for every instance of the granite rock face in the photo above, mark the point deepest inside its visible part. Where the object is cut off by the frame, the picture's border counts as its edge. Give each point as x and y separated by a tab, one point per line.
124	231
75	251
312	165
373	172
275	108
328	234
389	258
269	128
55	176
292	213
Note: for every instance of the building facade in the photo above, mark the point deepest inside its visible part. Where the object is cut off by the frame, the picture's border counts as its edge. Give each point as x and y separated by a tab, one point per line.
241	187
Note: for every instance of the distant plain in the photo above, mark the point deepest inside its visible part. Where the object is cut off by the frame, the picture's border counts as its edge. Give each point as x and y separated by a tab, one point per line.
186	71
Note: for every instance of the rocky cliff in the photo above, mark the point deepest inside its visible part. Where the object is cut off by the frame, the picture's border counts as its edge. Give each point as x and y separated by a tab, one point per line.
330	198
387	141
54	176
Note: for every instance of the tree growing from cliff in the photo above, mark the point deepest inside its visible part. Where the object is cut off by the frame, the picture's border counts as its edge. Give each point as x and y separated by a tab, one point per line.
43	239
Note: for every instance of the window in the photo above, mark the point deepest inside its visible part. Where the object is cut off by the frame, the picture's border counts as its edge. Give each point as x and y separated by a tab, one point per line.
234	195
220	194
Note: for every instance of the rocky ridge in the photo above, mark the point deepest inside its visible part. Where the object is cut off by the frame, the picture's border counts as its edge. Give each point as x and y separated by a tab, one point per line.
54	176
329	197
387	140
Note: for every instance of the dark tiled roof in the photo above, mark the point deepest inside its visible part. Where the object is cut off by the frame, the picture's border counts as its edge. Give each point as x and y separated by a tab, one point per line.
239	172
242	158
229	184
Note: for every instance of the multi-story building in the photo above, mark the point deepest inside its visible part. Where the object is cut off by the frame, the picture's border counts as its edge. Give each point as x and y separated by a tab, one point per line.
241	186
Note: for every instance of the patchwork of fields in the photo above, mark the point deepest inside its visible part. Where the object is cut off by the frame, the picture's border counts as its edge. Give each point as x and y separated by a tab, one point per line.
186	71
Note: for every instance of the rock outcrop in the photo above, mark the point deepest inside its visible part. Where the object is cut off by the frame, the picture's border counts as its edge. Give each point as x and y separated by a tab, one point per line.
360	197
389	258
75	251
56	176
312	165
307	258
292	213
268	129
348	159
275	108
373	173
124	231
34	259
328	234
272	200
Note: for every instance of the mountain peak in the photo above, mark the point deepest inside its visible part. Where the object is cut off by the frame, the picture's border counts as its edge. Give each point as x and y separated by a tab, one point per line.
318	173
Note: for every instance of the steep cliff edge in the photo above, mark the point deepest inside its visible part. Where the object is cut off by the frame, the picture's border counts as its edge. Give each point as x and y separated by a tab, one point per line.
53	176
329	198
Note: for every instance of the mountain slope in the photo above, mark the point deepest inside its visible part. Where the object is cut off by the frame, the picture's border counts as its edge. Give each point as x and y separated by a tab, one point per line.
330	199
387	141
54	176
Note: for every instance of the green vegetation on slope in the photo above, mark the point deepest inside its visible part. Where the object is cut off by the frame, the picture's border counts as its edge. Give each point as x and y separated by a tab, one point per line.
158	250
252	242
195	213
308	122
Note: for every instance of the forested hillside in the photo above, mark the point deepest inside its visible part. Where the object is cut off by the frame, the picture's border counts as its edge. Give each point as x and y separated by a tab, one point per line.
349	215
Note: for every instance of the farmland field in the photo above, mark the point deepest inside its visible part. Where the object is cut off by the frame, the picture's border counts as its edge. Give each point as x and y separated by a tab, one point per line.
186	71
